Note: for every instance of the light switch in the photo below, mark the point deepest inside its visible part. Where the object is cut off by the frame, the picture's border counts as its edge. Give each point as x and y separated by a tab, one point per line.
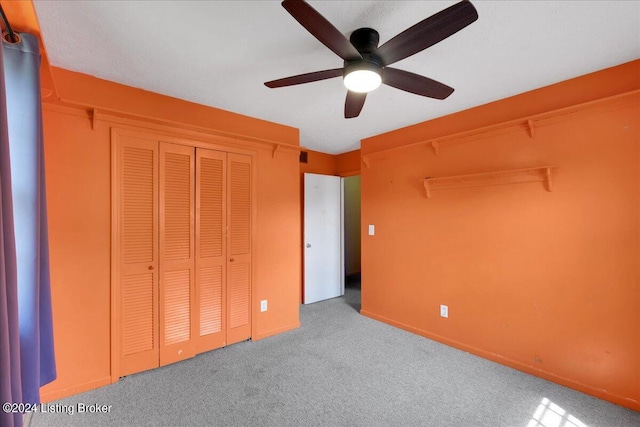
372	229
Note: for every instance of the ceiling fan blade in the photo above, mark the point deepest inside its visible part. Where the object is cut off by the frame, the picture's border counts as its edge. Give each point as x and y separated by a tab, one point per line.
354	103
321	29
414	83
305	78
428	32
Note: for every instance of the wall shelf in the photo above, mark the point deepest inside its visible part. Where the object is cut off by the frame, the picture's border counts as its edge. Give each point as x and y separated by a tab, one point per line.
530	124
514	176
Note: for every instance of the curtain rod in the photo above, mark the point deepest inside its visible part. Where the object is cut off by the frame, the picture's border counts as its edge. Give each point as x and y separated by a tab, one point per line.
12	35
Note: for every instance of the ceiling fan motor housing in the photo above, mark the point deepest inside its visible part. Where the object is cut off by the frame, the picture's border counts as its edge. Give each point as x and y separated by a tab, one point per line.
365	40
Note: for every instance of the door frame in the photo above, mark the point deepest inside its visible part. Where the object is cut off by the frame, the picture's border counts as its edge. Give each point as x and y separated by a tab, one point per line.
344	224
340	238
207	142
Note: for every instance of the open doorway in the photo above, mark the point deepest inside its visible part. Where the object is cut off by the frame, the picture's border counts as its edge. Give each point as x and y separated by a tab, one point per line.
352	229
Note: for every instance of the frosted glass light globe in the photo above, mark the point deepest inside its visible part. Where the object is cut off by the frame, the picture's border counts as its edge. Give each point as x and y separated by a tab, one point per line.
362	81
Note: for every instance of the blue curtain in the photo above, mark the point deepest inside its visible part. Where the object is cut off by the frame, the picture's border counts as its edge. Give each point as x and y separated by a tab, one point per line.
10	380
23	110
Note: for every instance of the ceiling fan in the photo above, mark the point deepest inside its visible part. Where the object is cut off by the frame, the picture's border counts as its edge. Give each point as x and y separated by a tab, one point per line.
366	65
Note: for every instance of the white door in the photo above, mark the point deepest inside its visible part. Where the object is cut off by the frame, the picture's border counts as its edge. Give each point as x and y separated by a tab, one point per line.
322	238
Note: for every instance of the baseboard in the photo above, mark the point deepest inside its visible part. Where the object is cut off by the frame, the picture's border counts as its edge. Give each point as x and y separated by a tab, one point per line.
276	331
537	372
70	391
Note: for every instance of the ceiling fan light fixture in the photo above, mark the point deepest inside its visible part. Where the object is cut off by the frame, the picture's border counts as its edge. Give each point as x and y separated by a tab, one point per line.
365	61
362	77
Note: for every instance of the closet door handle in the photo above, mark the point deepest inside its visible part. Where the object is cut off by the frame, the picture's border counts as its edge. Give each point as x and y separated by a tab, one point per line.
231	259
151	267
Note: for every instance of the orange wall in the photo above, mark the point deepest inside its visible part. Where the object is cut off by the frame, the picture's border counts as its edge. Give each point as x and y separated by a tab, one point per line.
348	164
79	213
345	164
546	282
320	163
78	186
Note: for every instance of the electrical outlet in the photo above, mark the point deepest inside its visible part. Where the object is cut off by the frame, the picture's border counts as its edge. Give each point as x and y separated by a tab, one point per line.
444	310
372	229
263	305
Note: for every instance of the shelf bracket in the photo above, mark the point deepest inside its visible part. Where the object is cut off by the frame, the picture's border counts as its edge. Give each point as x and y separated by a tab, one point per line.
549	181
94	119
436	146
427	188
365	160
532	128
276	147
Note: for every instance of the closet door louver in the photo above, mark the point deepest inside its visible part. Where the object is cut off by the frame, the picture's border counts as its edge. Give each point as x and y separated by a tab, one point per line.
182	233
136	202
239	248
177	275
211	248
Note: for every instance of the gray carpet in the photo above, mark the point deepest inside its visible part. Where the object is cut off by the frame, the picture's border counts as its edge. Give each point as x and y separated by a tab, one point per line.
338	369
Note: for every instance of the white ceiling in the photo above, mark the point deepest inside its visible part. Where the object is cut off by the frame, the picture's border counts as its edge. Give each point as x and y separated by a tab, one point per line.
219	53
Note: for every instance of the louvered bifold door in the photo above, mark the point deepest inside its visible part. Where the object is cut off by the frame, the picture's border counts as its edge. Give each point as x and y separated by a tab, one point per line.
211	272
239	247
136	256
177	275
